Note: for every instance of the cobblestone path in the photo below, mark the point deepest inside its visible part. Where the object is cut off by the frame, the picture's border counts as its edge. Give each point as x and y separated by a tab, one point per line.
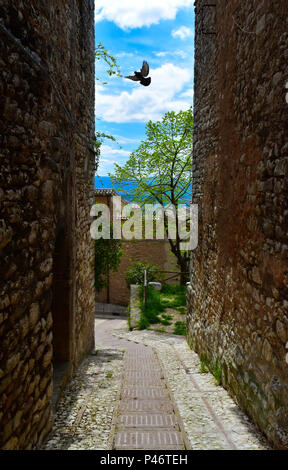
144	390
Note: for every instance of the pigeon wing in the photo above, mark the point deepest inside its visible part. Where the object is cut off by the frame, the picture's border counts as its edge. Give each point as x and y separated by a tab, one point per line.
133	77
145	69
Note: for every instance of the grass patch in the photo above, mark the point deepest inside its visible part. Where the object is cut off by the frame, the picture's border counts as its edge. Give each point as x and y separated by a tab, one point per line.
158	330
171	296
180	328
173	289
204	367
166	319
216	370
150	312
166	316
182	310
217	373
175	296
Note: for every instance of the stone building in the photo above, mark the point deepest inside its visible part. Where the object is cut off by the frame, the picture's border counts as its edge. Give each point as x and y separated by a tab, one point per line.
46	184
238	302
156	252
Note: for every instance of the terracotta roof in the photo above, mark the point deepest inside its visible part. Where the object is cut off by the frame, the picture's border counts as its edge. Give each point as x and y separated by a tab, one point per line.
105	192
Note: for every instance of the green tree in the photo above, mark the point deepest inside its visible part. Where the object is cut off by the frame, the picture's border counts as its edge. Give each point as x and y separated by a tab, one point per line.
108	254
160	170
102	54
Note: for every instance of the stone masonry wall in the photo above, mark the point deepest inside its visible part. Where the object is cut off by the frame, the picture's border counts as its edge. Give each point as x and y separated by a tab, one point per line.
46	184
237	300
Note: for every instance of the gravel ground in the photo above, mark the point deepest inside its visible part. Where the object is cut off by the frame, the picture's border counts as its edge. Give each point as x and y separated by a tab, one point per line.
84	414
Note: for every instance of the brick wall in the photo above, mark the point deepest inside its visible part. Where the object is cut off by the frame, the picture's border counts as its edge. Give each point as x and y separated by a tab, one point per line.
155	251
238	302
46	183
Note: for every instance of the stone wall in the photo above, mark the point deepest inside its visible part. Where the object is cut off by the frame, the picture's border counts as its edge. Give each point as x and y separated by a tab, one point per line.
46	183
238	302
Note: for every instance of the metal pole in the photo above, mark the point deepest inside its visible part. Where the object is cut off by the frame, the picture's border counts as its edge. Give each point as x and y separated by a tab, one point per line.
145	286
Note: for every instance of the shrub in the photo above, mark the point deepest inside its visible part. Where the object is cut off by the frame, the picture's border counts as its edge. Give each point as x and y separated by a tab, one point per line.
180	328
153	307
135	274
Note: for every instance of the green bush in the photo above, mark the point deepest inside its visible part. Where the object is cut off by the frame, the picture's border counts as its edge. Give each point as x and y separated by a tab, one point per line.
173	289
135	274
150	312
180	328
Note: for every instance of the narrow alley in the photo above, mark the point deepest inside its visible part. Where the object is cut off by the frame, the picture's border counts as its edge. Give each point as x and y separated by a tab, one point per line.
125	397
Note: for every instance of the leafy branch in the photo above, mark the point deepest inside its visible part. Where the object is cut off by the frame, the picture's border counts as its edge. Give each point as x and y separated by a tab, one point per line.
101	53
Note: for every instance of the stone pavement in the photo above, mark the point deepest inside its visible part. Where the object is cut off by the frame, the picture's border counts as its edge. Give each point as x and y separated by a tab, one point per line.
145	417
144	390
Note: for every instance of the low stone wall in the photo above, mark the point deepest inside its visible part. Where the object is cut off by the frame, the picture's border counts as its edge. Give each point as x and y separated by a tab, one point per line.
134	306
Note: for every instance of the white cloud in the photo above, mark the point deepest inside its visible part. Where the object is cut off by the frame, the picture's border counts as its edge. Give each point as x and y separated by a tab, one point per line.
125	140
162	54
109	156
124	54
183	32
108	151
188	94
142	104
180	53
130	14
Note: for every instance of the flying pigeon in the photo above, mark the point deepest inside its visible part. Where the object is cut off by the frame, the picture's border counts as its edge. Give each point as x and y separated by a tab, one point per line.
141	76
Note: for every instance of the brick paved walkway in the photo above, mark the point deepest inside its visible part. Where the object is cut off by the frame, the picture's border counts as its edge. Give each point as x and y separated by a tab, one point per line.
145	418
144	390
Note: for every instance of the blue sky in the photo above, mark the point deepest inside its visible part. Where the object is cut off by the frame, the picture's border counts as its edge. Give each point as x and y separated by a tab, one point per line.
161	32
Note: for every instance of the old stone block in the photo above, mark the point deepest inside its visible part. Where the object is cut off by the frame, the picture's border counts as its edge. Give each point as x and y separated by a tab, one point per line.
24	326
267	350
30	193
47	358
49	322
34	314
281	331
39	352
6	234
11	444
46	266
281	168
12	362
256	277
17	419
